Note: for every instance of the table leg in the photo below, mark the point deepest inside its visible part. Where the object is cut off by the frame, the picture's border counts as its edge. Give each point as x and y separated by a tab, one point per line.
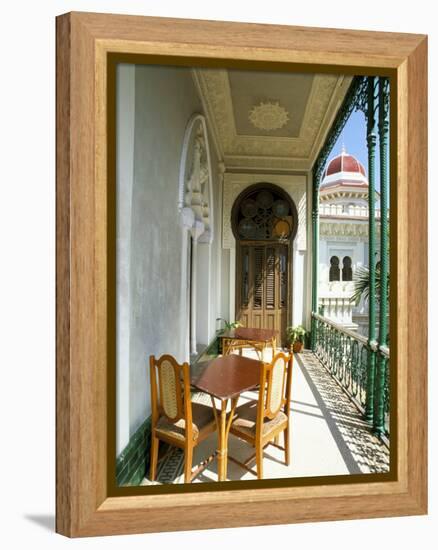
227	346
222	451
274	347
224	429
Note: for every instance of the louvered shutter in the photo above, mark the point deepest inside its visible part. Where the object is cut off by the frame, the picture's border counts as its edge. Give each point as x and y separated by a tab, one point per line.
270	278
258	277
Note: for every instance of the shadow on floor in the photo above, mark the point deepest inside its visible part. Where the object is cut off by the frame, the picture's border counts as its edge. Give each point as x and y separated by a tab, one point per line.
47	521
359	447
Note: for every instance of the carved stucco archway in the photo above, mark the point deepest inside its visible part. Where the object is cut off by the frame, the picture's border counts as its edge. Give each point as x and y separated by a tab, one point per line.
195	205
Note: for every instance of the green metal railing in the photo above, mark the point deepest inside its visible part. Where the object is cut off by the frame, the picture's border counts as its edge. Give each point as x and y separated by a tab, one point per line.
361	365
346	355
383	356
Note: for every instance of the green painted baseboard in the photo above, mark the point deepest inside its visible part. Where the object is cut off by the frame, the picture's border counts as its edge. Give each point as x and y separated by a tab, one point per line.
133	462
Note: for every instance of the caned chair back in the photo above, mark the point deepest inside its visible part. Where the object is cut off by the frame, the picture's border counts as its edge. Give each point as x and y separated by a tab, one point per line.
275	386
170	388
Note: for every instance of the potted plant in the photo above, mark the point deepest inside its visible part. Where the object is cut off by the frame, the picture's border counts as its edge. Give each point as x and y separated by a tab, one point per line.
296	337
228	325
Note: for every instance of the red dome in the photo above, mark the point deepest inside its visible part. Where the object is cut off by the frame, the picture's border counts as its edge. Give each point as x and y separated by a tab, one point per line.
344	163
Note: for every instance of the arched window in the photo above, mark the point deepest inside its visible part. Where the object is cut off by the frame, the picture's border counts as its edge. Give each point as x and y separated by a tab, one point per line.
334	273
263	214
347	272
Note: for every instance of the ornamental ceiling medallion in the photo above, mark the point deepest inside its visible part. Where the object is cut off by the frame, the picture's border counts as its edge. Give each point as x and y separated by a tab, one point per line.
268	151
268	116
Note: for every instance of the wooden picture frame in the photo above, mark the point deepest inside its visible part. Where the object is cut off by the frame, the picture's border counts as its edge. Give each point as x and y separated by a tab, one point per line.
85	504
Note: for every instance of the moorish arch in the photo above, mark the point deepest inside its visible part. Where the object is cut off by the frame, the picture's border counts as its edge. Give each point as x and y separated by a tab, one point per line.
264	222
195	205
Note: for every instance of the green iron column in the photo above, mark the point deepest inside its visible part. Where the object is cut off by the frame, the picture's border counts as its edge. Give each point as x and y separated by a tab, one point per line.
379	405
371	142
315	258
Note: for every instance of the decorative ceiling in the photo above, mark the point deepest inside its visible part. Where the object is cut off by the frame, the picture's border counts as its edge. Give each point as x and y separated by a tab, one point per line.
289	91
269	120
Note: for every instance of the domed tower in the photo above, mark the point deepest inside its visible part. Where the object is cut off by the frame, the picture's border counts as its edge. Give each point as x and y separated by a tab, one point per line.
344	188
343	211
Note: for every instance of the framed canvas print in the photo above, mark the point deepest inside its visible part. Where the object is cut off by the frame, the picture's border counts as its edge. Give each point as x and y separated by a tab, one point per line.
241	260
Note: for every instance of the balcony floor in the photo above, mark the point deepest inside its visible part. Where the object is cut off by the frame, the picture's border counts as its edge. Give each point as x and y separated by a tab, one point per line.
328	434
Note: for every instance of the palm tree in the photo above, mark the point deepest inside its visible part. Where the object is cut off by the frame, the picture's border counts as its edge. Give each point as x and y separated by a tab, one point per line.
362	284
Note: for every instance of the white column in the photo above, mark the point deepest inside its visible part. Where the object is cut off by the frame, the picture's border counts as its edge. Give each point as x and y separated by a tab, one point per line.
194	259
307	290
197	230
232	283
185	295
203	292
218	216
187	221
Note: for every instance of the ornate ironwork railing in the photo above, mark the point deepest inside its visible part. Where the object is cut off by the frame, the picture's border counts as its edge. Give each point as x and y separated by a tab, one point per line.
384	355
345	354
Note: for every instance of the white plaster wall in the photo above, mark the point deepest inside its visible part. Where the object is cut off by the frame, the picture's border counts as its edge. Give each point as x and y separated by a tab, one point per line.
124	182
161	100
165	101
299	288
155	105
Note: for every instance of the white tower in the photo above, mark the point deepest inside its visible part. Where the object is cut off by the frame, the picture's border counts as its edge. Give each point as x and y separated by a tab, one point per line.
343	241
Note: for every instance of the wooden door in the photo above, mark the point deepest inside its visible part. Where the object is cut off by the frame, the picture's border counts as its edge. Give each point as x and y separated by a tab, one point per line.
262	286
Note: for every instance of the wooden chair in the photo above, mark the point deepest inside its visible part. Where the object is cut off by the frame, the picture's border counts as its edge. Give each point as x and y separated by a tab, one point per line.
260	422
175	419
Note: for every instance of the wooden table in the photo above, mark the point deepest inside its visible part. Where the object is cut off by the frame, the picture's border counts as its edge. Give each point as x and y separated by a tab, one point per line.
258	338
225	378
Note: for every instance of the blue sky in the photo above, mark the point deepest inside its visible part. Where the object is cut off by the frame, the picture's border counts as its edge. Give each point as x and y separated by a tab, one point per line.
353	137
